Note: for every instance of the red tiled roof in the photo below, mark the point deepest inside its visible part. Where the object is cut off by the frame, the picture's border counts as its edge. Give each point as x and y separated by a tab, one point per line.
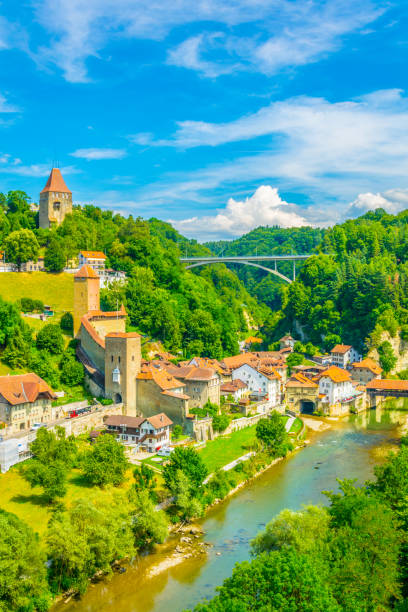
159	420
86	272
234	385
93	254
300	380
388	384
253	340
341	348
161	377
335	374
55	182
24	388
368	364
120	419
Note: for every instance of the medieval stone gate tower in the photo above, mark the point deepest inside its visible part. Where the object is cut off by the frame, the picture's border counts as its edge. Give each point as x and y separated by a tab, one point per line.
55	200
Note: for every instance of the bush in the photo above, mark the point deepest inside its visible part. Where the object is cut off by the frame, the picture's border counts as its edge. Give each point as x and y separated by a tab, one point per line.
30	305
72	373
50	338
221	422
67	322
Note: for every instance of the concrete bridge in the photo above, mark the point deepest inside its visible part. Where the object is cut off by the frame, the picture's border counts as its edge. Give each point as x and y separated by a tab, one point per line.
257	261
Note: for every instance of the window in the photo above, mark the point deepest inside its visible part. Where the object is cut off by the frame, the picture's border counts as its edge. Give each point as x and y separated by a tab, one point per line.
112	358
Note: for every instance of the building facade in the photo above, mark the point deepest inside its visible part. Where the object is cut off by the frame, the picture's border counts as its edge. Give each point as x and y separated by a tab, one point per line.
260	383
148	434
343	354
55	201
25	399
94	259
366	370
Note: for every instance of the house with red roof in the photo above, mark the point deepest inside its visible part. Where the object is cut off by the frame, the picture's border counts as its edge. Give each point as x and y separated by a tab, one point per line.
344	354
25	399
147	433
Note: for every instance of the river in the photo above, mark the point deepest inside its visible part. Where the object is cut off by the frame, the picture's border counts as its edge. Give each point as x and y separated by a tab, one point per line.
348	450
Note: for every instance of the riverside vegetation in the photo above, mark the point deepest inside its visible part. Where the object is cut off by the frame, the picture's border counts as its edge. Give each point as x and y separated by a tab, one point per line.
349	556
90	533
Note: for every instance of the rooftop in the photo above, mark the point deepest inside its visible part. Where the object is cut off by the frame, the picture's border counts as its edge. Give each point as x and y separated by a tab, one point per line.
93	254
86	272
335	374
388	384
24	388
368	364
55	182
341	348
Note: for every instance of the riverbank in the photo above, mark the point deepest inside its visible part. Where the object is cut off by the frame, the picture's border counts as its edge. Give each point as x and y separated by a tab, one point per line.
347	450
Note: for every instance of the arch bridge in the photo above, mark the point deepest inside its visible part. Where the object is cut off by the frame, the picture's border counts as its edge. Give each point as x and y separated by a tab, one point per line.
257	261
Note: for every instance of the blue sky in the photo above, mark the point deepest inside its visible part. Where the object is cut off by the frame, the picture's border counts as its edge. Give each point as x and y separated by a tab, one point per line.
219	116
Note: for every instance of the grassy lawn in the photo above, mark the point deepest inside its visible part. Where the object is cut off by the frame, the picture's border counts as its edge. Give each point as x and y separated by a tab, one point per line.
225	449
155	464
55	290
18	497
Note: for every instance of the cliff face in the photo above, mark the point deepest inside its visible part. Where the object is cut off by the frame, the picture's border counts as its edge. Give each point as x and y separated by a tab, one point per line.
400	348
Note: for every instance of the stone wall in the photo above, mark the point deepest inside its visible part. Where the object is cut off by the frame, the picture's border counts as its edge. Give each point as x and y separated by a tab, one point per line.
93	350
105	326
91	420
150	401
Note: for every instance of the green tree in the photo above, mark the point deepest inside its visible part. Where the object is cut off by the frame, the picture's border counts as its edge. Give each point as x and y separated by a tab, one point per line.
55	256
307	531
144	479
52	478
67	322
50	338
22	567
149	525
388	360
21	246
221	421
177	431
88	538
190	463
272	433
106	462
72	373
282	581
185	497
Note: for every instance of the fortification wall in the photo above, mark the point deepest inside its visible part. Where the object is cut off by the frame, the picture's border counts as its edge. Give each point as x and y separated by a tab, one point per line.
93	350
91	420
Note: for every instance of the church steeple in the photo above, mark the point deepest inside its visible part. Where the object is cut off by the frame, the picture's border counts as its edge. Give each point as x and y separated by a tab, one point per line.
55	200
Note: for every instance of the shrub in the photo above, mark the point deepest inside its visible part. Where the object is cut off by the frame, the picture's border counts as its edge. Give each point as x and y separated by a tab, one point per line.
67	322
50	338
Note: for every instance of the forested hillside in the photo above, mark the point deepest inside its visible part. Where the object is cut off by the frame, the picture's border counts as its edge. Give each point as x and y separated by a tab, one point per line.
268	241
203	312
355	287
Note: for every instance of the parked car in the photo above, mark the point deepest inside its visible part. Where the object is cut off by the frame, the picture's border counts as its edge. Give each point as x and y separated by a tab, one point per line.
165	451
37	426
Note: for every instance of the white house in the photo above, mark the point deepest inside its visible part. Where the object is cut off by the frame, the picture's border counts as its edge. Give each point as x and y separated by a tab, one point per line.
260	382
287	342
94	259
343	354
336	385
149	434
237	388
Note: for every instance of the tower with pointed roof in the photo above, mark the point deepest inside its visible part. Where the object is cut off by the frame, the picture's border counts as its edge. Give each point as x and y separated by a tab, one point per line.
55	200
86	295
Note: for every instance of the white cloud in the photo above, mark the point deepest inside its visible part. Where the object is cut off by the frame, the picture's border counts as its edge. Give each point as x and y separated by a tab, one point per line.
284	33
332	151
10	165
189	55
6	107
96	154
264	207
393	201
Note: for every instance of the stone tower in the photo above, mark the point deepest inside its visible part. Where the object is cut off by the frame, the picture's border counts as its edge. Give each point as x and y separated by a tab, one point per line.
122	365
55	200
86	295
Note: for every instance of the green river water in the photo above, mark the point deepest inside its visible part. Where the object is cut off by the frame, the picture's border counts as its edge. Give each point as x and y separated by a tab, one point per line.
348	450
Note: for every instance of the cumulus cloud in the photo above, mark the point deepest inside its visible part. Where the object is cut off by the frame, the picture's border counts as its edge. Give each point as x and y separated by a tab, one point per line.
264	207
393	201
96	154
285	33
